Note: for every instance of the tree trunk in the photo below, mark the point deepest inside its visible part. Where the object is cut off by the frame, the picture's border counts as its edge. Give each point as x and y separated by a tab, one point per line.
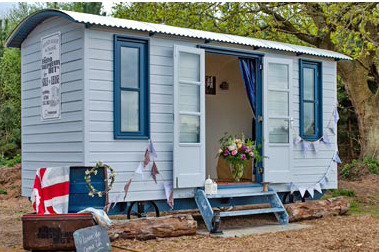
150	228
366	104
317	208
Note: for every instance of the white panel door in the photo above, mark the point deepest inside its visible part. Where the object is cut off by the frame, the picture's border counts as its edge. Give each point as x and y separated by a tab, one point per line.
189	117
278	120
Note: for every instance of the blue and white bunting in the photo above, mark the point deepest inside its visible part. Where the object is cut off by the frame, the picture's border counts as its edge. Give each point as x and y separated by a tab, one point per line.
316	146
139	170
336	158
311	191
292	188
318	187
336	115
302	191
152	151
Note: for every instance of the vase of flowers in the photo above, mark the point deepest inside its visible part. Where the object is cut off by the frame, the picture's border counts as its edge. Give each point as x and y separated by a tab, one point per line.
237	152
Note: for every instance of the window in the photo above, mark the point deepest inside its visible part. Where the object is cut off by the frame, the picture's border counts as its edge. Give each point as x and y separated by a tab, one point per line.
310	100
278	103
131	88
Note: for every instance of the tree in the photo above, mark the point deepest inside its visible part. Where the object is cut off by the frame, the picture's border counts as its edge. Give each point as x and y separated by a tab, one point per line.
350	28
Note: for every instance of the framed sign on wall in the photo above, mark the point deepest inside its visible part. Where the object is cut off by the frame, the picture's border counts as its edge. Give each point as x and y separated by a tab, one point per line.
51	77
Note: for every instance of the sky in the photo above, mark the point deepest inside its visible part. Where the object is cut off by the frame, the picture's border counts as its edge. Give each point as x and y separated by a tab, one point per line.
6	6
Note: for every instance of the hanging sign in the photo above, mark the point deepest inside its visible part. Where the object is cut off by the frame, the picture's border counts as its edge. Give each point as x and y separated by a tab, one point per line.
51	76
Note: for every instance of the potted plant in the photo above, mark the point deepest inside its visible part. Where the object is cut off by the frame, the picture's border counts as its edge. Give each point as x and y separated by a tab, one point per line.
237	152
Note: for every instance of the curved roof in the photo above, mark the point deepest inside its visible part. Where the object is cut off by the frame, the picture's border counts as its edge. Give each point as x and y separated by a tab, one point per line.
29	23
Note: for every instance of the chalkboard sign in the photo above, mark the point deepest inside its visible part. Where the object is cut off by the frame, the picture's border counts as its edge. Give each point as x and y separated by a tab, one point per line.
92	239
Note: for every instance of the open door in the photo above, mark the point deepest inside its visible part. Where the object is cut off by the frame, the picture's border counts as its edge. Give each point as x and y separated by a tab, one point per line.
189	117
277	120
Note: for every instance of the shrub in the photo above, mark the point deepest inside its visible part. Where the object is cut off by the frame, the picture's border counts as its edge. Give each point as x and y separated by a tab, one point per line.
357	168
343	192
10	162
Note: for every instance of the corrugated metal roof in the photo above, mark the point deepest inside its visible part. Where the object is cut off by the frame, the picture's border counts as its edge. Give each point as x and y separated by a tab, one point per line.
27	25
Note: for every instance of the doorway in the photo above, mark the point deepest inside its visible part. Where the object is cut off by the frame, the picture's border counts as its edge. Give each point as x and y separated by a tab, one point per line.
228	110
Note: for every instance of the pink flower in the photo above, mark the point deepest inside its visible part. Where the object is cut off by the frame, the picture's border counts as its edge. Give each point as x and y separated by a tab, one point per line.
234	152
226	153
243	156
248	150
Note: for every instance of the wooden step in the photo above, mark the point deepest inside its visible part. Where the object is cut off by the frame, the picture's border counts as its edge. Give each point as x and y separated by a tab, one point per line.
235	195
251	211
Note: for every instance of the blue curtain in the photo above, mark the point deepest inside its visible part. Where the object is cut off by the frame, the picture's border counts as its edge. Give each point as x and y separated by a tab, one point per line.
248	76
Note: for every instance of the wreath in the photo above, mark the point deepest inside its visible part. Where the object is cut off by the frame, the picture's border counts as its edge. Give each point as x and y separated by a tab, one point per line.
92	190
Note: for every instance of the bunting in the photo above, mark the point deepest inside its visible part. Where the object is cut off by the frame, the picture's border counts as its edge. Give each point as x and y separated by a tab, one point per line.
150	153
306	145
140	170
169	194
153	153
154	171
317	186
147	158
126	188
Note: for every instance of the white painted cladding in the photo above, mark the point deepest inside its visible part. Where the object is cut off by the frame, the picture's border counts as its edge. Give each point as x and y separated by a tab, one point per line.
55	142
85	132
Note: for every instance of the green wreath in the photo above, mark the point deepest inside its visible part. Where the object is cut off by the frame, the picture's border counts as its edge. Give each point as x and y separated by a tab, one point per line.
92	190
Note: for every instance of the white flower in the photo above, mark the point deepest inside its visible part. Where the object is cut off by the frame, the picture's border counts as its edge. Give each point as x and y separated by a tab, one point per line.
100	194
232	147
87	172
100	163
91	194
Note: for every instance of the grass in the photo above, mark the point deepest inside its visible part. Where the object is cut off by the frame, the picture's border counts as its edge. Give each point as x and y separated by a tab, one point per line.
355	206
358	208
3	190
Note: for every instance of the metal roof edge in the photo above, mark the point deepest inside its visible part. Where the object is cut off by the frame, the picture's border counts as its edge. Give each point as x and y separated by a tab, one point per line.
29	23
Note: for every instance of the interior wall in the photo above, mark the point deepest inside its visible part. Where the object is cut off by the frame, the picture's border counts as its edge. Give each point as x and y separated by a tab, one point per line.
227	111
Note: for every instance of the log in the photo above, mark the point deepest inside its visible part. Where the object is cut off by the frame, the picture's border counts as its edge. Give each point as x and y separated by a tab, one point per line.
153	227
317	208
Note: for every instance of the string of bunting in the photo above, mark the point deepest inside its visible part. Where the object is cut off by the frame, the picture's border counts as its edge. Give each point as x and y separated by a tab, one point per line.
305	144
305	147
150	155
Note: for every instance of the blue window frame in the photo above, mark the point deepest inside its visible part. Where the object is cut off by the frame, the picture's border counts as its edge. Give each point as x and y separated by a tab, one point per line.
310	99
131	88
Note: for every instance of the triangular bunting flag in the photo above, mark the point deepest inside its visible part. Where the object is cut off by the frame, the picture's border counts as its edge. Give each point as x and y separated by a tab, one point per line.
302	191
147	158
318	188
297	140
323	182
332	130
126	188
169	194
311	191
316	146
171	200
336	115
139	170
154	171
305	146
292	187
153	153
325	138
336	158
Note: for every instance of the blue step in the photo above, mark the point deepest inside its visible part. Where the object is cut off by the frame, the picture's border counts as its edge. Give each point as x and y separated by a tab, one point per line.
251	211
234	195
212	219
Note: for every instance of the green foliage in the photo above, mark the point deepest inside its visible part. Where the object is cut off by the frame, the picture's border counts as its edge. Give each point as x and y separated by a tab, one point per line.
357	168
85	7
343	192
3	190
10	162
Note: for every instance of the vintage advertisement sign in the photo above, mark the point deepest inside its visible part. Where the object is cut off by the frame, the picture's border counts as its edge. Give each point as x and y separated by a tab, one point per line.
51	77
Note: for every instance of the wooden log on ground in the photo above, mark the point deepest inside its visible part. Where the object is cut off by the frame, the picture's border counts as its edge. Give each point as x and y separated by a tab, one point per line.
150	228
317	208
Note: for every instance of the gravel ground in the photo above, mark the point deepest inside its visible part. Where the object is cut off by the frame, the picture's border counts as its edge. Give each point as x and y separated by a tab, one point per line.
341	233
